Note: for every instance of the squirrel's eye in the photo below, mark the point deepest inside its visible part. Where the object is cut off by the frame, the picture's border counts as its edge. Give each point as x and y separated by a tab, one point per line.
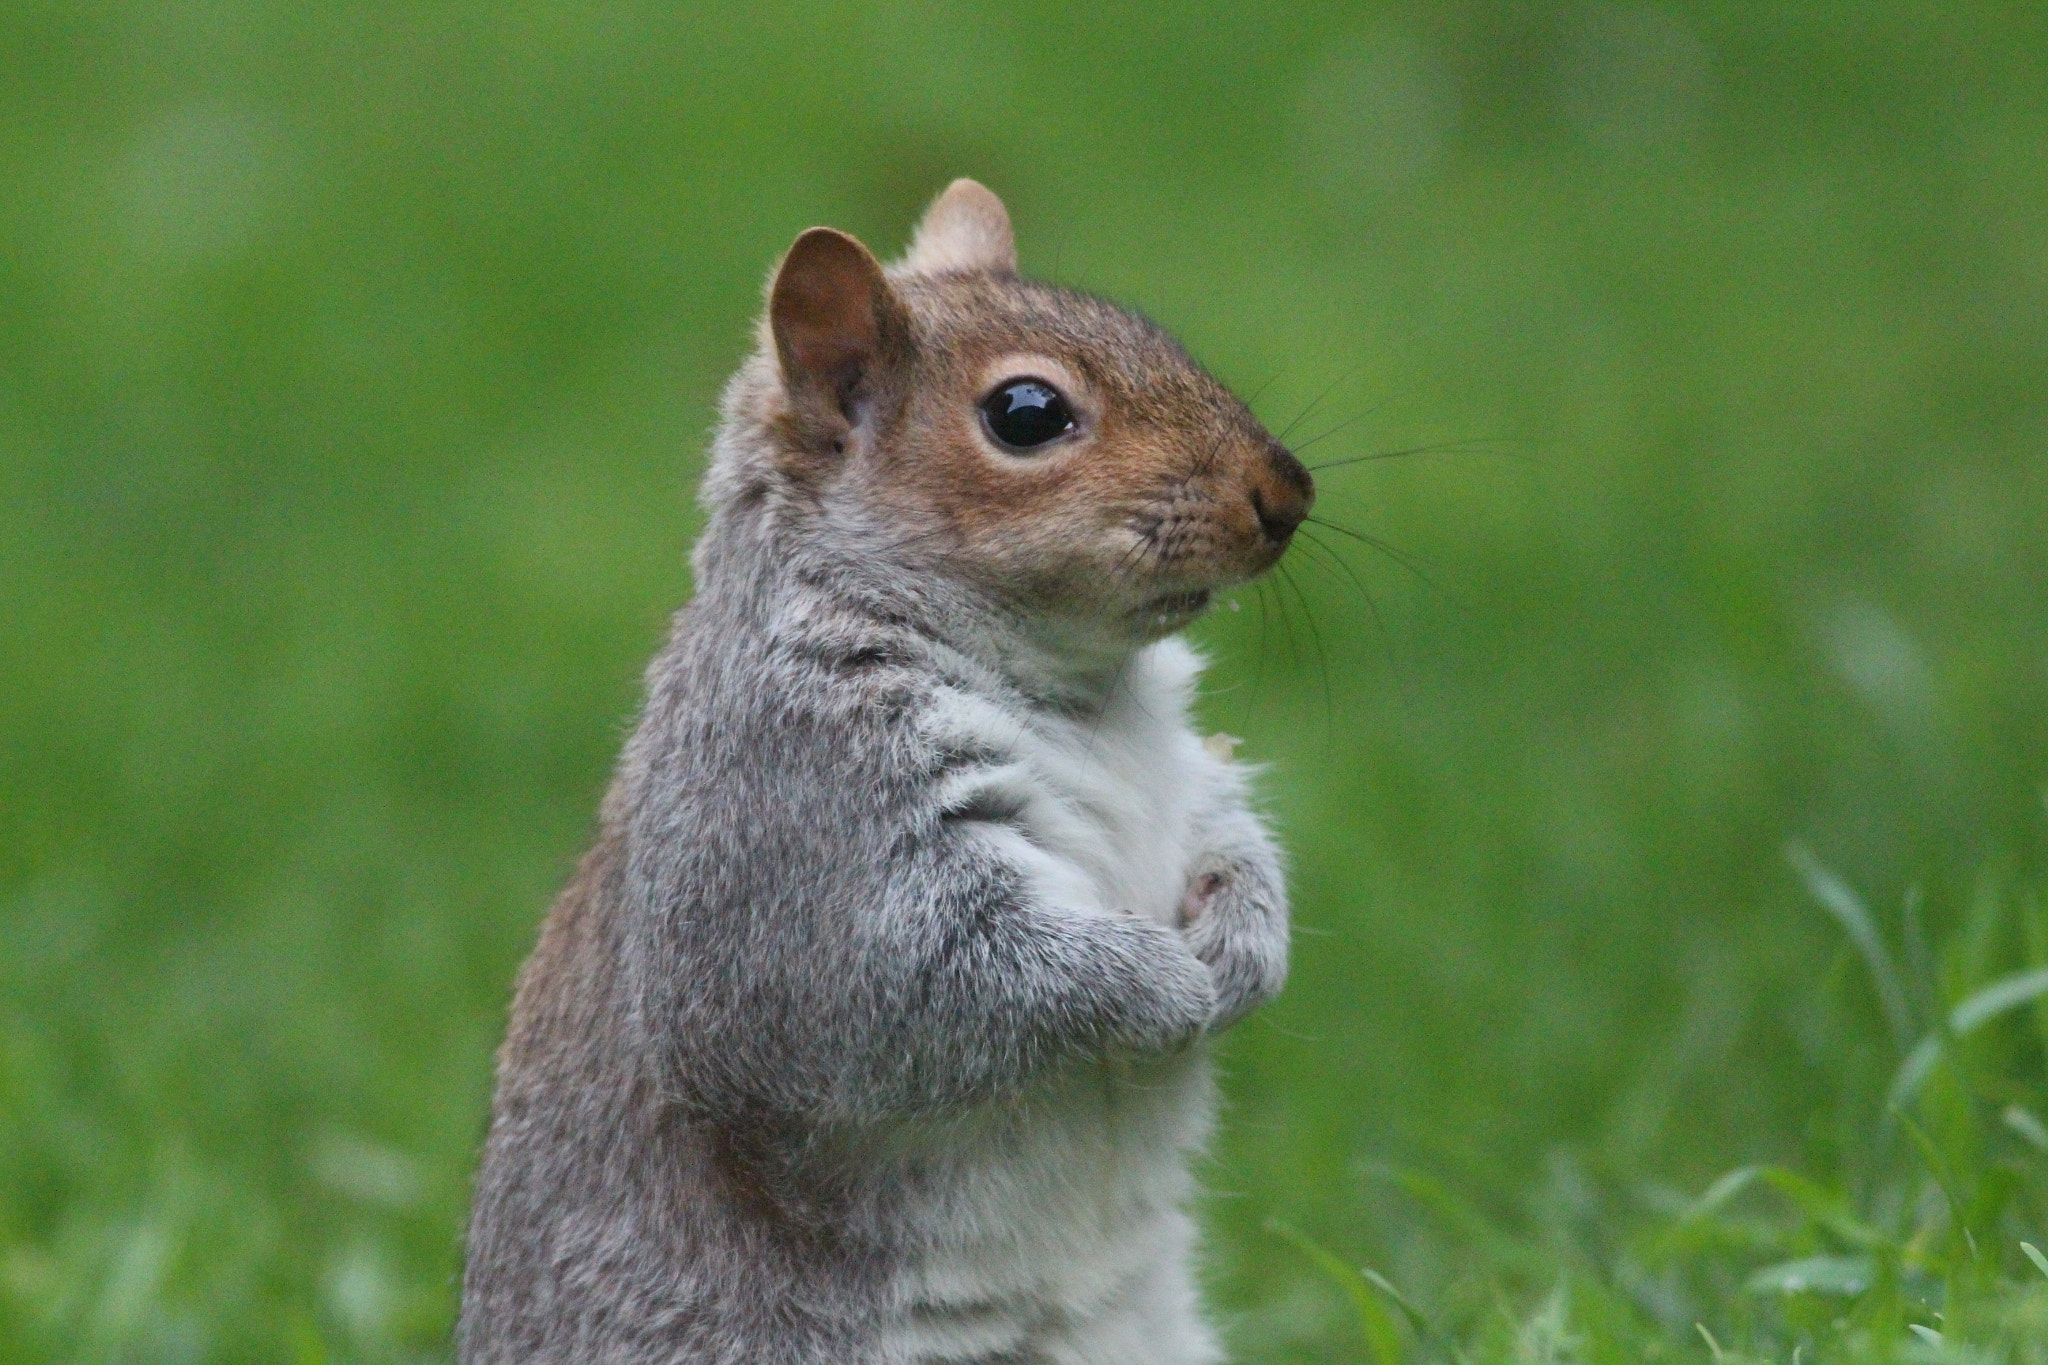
1026	413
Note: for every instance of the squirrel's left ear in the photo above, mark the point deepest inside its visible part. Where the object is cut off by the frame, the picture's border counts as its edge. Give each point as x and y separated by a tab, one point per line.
966	229
837	327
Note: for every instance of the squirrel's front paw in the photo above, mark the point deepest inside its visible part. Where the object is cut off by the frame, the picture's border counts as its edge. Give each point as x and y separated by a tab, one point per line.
1234	914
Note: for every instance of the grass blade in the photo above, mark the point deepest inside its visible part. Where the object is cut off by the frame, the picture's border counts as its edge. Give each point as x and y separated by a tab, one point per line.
1844	1277
1914	1071
2006	993
2021	1120
1938	1167
1978	1009
1839	900
1417	1323
1362	1287
1826	1208
1820	1205
1456	1213
1720	1192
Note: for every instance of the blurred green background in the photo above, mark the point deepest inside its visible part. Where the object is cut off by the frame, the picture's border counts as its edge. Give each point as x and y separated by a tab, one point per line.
355	366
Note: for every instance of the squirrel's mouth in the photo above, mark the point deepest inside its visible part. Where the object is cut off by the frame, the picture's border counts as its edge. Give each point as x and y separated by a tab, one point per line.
1172	610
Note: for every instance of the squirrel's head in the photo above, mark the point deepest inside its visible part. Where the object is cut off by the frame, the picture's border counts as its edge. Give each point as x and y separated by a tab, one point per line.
1059	453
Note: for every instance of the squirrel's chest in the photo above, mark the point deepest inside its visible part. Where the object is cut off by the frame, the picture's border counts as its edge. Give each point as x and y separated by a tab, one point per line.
1120	797
1128	792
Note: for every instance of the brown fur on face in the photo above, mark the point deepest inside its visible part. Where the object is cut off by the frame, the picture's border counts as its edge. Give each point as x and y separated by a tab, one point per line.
1166	490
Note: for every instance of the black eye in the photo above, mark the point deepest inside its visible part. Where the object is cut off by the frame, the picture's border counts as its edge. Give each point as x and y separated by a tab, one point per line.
1026	413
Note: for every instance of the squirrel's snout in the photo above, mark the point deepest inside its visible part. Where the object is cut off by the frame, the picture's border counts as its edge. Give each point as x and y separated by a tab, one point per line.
1282	493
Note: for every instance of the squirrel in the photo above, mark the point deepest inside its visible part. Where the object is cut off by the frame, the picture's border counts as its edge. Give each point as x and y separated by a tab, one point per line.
873	1027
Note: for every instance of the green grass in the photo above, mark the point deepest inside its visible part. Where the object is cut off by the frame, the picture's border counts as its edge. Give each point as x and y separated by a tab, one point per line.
1904	1238
354	368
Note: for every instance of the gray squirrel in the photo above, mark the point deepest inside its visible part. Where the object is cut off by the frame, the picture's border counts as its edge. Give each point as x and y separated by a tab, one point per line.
873	1027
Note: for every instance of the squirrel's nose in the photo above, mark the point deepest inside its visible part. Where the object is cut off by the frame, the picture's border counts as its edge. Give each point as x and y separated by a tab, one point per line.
1282	493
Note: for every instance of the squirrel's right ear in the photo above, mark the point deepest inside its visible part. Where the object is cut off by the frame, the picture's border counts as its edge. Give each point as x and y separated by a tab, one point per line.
837	325
966	229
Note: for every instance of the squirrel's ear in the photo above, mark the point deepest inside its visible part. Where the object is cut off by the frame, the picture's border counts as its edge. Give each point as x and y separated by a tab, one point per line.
836	323
966	229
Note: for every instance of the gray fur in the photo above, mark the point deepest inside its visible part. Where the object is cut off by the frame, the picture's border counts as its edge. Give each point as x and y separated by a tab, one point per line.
800	1036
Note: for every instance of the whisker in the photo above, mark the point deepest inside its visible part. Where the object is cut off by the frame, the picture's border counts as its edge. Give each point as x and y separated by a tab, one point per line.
1324	555
1390	552
906	542
1486	446
1287	629
1215	449
1129	556
1108	698
1260	391
1251	699
1308	617
1265	1019
1320	552
1348	422
1317	402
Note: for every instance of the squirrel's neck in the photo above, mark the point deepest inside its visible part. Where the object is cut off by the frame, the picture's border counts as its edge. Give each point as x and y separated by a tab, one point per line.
783	573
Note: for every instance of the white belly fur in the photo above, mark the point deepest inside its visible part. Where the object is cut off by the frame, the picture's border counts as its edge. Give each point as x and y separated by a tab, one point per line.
1053	1226
1115	798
